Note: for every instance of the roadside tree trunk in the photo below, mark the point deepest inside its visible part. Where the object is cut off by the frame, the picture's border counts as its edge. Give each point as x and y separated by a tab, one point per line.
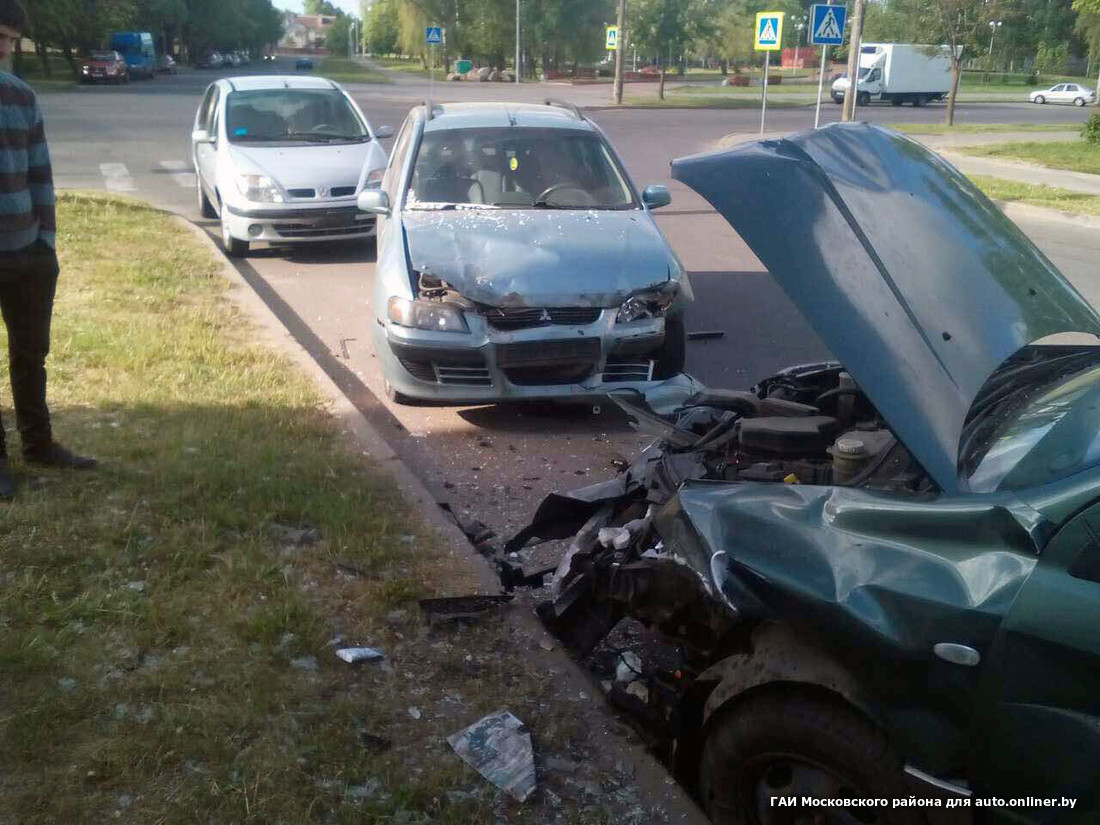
40	50
70	58
956	74
661	85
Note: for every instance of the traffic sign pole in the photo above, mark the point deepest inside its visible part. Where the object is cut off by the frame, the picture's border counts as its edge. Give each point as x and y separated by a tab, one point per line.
764	101
821	83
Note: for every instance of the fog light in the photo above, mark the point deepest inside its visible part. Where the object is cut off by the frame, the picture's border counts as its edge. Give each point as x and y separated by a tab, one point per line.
255	230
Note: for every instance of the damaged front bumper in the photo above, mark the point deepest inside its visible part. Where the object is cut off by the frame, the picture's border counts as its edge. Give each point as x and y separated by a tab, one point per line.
575	361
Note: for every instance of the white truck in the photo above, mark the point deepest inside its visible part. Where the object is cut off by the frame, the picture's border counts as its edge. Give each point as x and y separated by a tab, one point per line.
900	73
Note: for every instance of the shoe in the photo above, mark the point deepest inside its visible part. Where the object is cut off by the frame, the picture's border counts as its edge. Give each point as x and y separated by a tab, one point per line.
54	455
7	483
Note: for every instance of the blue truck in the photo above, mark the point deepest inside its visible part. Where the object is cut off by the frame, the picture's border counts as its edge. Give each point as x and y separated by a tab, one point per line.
138	51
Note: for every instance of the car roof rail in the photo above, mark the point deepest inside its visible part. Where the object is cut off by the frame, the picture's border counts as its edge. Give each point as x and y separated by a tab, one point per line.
565	104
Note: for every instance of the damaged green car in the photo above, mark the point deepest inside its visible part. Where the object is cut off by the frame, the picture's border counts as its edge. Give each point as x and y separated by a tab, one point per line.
881	575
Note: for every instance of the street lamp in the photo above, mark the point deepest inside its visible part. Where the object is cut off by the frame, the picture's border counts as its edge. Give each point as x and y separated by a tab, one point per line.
993	26
800	25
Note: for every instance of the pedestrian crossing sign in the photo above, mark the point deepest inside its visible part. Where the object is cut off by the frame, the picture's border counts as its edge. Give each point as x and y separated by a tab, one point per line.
612	38
827	25
769	31
433	35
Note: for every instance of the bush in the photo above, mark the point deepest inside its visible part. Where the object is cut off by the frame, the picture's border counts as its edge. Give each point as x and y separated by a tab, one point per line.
1091	130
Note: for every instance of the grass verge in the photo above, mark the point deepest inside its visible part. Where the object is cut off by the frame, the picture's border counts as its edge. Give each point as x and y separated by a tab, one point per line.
343	70
165	630
406	66
980	128
1050	197
1075	156
700	102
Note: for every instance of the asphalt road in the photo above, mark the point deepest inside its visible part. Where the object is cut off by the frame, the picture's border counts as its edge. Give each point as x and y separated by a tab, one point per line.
496	462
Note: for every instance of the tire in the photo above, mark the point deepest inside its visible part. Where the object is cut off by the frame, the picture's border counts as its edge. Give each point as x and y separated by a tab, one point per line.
233	247
897	101
795	741
206	208
863	98
1078	101
920	100
1040	99
670	358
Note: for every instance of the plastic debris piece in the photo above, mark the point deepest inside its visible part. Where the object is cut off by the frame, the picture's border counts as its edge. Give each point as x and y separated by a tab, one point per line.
306	664
414	713
639	691
706	335
629	667
499	748
357	655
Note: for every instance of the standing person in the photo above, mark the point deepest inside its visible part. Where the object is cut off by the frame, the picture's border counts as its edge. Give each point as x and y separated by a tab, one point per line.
28	261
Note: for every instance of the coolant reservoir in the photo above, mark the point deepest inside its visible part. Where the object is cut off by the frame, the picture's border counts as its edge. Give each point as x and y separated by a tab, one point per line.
849	458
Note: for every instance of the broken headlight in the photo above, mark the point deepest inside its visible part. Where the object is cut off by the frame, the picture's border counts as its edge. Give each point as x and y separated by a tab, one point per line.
653	303
426	315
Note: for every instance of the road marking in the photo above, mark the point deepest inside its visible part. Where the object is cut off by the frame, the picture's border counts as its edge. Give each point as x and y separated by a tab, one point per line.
185	180
116	177
175	165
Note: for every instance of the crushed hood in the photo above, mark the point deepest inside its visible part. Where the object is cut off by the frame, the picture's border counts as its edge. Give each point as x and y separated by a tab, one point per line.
306	167
540	258
913	278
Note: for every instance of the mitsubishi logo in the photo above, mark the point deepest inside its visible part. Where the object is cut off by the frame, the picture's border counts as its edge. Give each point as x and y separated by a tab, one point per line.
545	316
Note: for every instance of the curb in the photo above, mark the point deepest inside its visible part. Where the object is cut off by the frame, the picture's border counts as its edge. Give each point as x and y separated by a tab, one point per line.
654	785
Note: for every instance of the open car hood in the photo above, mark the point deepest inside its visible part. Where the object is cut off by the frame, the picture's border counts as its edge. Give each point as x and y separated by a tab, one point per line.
914	279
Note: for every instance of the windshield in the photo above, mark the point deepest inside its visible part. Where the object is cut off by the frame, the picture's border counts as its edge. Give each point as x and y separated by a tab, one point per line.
863	72
1037	425
105	56
517	167
313	115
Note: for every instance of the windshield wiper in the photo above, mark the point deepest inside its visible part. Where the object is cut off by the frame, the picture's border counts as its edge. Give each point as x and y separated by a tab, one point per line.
323	136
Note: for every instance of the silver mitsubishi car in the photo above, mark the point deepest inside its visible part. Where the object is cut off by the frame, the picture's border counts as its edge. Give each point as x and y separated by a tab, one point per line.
517	260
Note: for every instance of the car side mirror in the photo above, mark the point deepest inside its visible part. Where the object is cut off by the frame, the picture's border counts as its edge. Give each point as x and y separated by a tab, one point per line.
383	132
201	136
655	196
374	200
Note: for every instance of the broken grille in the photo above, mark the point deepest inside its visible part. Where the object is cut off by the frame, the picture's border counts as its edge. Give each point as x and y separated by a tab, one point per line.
528	317
627	371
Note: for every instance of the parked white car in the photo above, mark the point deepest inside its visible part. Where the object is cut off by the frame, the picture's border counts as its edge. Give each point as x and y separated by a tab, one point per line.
282	159
1073	93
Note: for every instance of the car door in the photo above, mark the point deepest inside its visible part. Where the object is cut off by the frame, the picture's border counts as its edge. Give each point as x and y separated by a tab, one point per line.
1057	94
1073	91
204	154
1038	719
393	180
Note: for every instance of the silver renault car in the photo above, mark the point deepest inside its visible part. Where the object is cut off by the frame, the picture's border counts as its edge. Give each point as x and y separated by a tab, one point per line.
517	260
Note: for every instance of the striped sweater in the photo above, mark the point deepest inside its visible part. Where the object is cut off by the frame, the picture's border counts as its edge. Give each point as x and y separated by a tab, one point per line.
26	180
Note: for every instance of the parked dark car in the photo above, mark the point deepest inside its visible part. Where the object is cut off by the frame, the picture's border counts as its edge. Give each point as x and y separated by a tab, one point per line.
105	66
166	64
881	575
304	63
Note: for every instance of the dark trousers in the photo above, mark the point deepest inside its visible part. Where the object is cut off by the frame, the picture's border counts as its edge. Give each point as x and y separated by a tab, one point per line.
28	281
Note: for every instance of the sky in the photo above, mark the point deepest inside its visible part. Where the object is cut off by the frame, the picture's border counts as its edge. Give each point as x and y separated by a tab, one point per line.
350	6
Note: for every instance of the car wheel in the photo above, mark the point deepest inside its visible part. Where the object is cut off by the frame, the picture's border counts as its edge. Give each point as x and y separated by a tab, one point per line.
233	247
1040	99
896	101
671	356
920	100
206	208
864	98
1078	101
792	742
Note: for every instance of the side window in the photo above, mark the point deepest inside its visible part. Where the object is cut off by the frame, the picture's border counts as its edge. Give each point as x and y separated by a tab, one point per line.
391	180
204	109
1061	87
874	75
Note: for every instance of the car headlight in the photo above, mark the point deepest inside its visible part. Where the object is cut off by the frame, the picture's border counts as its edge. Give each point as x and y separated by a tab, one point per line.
432	315
259	188
649	304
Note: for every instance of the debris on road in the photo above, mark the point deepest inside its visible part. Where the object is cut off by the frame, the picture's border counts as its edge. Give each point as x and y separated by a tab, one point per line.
294	536
306	664
357	655
456	608
415	713
499	748
629	668
706	336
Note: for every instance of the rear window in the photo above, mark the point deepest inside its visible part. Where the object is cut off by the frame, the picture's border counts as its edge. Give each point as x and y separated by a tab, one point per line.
1039	429
518	167
303	115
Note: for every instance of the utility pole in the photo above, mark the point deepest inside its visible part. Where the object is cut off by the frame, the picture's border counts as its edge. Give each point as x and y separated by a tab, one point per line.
853	63
620	48
518	67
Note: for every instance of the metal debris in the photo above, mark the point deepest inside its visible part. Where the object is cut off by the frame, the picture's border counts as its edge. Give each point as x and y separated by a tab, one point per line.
357	655
454	608
706	335
499	748
629	667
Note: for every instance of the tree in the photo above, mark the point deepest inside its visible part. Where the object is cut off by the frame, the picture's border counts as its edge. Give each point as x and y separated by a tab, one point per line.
338	36
320	7
664	27
381	27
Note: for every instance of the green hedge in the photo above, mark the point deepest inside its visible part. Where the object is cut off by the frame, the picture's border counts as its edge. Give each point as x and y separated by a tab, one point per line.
998	78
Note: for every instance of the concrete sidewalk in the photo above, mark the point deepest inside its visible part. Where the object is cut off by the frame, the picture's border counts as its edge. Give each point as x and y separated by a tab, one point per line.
1031	173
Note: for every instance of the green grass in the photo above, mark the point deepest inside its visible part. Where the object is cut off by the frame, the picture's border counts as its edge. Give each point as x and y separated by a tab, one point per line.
700	102
61	75
1075	156
411	66
979	128
150	612
343	70
1050	197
